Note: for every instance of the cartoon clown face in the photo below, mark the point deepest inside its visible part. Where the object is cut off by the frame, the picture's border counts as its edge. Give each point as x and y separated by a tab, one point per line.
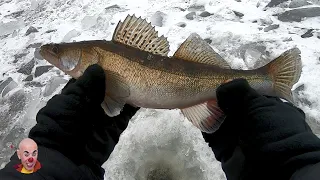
28	153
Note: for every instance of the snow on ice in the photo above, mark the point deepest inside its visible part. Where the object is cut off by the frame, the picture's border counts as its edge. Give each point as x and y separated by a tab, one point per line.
158	144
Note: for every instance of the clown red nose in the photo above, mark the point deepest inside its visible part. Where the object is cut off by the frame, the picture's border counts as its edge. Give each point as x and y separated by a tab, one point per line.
30	160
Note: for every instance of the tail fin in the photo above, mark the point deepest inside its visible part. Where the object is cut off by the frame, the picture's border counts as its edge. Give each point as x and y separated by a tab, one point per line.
285	71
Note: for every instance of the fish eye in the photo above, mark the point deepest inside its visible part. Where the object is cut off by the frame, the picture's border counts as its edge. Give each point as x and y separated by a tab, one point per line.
55	49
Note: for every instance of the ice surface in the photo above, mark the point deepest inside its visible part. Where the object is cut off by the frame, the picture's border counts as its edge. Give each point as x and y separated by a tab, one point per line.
299	3
205	14
52	85
4	84
190	15
10	27
31	30
42	69
157	18
271	27
252	58
35	4
158	144
71	34
273	3
88	21
9	87
27	68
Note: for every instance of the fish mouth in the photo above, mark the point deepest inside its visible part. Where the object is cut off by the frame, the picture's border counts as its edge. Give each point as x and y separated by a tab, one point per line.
47	54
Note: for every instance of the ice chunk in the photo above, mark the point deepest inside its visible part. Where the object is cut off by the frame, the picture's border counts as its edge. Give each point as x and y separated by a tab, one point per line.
190	15
253	58
208	40
37	54
239	14
34	4
265	21
271	27
9	87
11	107
157	18
5	83
34	84
182	24
88	22
112	7
52	85
42	69
15	14
298	14
34	45
50	31
29	78
273	3
10	27
195	7
308	34
71	34
298	3
299	94
31	30
27	68
205	14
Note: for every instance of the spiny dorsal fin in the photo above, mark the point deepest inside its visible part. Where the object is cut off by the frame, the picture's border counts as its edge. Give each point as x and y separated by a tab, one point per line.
194	48
137	33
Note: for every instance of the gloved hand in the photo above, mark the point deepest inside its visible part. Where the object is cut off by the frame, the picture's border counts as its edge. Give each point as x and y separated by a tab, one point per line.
231	99
269	132
92	82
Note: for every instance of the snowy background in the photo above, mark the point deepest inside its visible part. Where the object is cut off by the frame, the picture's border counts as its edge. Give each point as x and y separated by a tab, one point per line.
158	144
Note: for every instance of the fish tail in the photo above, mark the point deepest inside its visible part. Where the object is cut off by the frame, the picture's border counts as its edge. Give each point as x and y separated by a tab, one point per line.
285	71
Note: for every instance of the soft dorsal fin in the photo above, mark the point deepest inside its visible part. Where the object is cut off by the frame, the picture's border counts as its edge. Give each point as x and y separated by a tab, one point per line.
137	33
194	48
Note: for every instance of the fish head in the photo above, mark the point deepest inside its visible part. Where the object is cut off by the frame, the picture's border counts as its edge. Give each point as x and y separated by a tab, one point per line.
71	58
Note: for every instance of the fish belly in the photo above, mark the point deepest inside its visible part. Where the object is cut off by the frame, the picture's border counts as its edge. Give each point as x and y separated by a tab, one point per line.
152	88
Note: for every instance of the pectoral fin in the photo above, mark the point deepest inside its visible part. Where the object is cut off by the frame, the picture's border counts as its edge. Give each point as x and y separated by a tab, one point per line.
117	92
206	116
195	49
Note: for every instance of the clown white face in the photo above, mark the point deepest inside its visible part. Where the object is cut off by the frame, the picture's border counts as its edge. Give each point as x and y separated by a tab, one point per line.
28	153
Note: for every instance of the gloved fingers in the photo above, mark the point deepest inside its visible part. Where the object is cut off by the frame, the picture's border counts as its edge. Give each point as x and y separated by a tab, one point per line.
129	110
225	140
232	96
71	81
93	83
125	115
228	130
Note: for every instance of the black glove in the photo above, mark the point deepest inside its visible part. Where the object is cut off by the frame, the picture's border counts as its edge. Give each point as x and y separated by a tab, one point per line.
272	135
75	124
92	84
231	99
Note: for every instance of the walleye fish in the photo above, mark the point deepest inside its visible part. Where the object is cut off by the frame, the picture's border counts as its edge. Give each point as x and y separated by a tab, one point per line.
139	72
